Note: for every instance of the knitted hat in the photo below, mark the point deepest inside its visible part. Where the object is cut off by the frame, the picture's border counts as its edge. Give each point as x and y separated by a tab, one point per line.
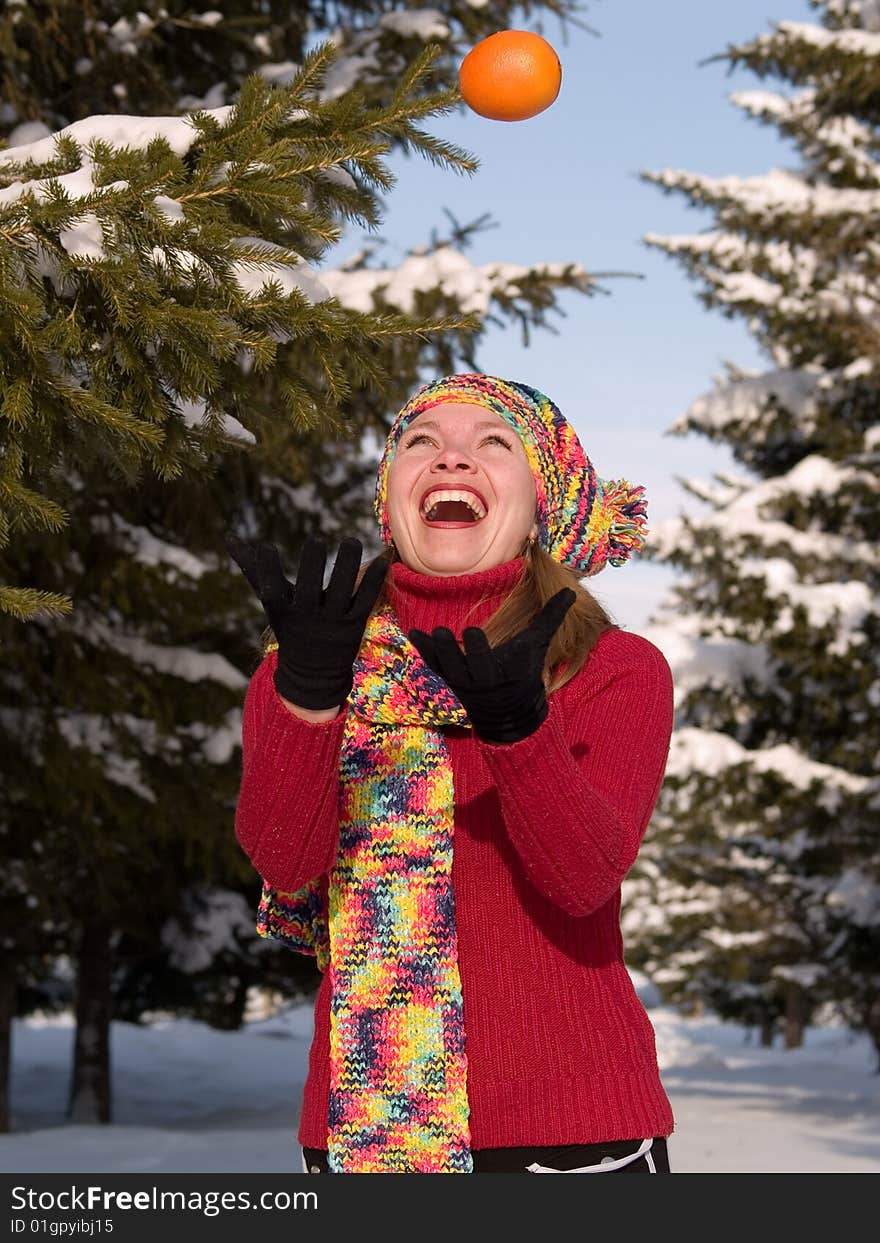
583	521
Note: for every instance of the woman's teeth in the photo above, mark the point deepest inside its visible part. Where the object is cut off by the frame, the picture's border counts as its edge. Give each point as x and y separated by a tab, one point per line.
470	509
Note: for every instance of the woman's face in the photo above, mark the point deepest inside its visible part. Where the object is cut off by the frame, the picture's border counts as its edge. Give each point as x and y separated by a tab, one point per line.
460	447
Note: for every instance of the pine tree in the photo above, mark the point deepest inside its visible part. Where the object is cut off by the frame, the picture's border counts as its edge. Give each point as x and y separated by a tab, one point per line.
58	64
206	962
134	278
144	229
764	865
128	769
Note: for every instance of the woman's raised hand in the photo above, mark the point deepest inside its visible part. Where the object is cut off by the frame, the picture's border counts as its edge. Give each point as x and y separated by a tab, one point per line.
319	631
501	688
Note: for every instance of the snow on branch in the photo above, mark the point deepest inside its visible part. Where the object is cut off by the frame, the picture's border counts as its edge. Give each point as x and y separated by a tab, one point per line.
839	140
215	922
861	43
747	519
472	286
148	549
711	753
857	896
697	661
778	194
363	55
177	662
96	734
117	131
741	403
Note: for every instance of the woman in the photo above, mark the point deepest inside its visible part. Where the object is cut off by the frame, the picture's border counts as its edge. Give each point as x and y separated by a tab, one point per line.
475	1015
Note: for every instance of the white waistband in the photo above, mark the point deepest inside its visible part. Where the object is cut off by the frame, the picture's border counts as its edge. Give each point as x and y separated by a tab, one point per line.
604	1167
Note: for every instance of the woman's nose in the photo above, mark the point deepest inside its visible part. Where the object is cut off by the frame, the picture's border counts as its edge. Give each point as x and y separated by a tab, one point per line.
452	459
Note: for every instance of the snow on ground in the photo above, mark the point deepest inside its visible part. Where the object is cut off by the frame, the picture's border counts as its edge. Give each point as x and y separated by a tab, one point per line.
191	1100
743	1109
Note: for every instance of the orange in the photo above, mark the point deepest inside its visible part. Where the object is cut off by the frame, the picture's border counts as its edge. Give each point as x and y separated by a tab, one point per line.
510	76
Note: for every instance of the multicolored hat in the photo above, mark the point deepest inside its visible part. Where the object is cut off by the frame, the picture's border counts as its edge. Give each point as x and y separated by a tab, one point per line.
584	522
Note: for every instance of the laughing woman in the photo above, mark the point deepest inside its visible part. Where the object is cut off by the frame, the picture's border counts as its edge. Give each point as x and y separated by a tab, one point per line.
450	757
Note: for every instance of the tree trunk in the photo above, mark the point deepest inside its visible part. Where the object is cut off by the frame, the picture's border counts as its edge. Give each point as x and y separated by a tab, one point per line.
768	1028
7	1014
90	1079
795	1016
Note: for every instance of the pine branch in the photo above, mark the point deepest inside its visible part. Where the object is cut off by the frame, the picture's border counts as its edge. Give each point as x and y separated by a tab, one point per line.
26	603
438	150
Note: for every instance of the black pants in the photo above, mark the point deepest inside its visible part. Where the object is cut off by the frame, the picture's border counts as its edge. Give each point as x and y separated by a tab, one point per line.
561	1158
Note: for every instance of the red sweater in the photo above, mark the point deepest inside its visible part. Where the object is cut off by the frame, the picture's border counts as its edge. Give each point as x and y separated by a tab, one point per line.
559	1047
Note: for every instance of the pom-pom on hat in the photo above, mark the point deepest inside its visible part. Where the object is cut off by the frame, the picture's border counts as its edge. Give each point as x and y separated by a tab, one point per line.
584	522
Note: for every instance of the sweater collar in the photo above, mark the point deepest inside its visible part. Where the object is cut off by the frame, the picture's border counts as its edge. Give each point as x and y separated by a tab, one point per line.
424	601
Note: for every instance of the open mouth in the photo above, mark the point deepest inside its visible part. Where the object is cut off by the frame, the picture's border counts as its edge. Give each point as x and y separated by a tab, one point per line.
452	510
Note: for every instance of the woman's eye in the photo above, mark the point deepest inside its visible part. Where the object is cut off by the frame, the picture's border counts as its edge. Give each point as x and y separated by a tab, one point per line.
422	436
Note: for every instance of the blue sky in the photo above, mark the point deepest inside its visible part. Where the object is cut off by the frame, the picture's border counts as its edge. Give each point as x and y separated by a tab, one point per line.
564	186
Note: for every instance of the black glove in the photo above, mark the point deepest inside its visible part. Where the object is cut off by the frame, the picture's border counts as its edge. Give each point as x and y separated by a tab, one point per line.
319	632
501	688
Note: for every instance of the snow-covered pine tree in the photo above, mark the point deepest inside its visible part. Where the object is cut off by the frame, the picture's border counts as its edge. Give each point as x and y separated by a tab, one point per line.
59	63
142	258
764	869
104	215
134	699
206	962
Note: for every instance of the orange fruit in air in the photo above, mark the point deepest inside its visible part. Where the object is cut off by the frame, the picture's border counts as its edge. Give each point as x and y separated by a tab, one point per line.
510	76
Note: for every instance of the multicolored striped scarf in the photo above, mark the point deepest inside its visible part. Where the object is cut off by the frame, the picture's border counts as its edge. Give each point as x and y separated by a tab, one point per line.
398	1072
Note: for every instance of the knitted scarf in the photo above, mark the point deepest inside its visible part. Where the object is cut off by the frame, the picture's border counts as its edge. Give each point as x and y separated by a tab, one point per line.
398	1072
